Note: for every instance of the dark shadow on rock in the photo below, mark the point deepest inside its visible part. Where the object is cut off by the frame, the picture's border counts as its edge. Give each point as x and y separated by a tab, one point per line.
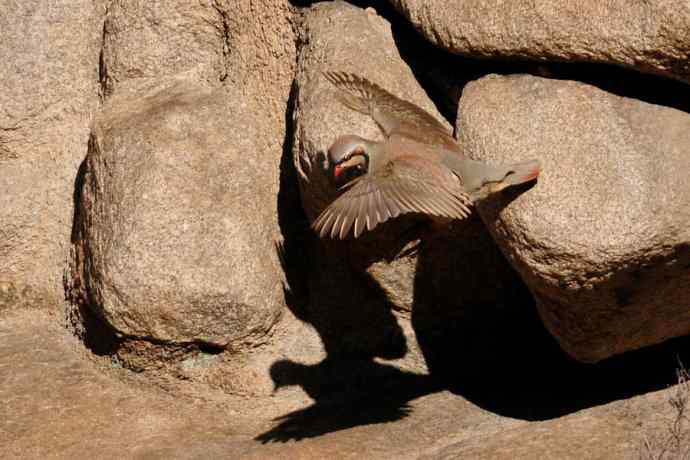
294	251
347	393
533	379
443	75
494	204
96	333
496	352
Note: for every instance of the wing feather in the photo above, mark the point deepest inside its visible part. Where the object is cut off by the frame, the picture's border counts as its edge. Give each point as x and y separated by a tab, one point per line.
334	225
348	220
359	222
384	212
391	203
409	185
322	222
391	114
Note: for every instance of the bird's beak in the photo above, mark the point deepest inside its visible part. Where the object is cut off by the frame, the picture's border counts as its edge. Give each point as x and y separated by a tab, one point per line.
351	162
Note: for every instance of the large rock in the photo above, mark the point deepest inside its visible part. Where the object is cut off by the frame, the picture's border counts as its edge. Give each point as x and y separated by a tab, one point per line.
603	239
175	271
651	36
179	220
48	90
220	148
360	298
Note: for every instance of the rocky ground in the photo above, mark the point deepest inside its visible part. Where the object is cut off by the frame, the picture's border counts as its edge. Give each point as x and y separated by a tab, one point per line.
162	293
59	403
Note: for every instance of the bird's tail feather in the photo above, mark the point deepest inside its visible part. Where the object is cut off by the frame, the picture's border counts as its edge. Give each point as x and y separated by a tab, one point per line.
481	179
507	176
524	171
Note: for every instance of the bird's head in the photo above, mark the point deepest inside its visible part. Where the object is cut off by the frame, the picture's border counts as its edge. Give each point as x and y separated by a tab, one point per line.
349	157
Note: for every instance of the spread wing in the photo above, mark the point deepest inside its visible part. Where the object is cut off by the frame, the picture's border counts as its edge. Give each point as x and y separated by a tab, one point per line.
391	114
405	185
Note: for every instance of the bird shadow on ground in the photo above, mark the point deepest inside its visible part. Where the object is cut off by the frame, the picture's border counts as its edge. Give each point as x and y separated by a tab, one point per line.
356	325
355	322
346	393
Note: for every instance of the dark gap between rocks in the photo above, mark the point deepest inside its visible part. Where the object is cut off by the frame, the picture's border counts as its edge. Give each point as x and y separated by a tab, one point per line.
444	75
104	87
210	349
294	252
96	333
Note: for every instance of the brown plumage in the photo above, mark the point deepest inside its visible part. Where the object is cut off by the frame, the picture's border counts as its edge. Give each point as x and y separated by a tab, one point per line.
418	168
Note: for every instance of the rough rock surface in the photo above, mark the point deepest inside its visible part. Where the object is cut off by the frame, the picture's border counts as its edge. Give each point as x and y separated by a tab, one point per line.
650	36
603	433
57	403
179	220
603	239
241	43
148	39
48	90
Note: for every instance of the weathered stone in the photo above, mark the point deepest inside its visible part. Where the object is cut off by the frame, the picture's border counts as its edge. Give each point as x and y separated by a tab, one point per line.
48	90
143	39
176	232
179	219
214	42
603	432
603	239
57	404
649	36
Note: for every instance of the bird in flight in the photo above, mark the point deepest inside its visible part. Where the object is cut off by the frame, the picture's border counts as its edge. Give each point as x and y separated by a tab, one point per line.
418	168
